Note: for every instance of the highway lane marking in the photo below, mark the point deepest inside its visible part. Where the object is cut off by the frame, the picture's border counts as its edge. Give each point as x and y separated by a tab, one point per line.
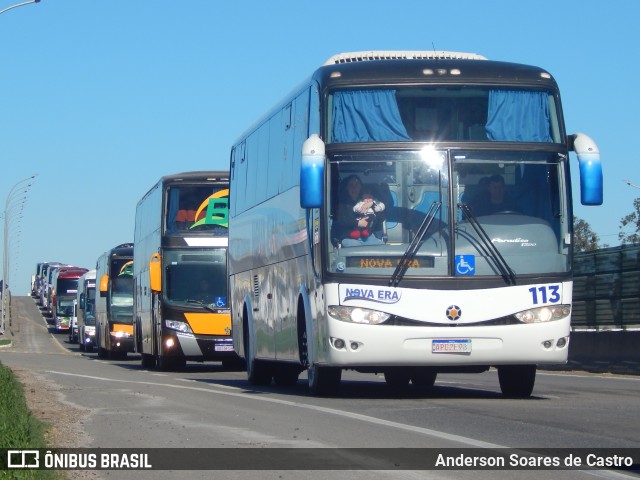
327	410
340	413
599	375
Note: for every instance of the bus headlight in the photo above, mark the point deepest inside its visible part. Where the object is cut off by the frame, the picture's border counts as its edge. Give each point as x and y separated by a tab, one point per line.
182	327
544	314
357	315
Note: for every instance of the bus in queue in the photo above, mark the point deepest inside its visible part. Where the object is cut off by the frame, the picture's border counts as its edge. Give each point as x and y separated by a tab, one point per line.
64	289
180	250
408	214
41	274
114	302
85	318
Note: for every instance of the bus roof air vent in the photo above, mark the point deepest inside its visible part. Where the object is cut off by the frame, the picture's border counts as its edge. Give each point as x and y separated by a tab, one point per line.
352	57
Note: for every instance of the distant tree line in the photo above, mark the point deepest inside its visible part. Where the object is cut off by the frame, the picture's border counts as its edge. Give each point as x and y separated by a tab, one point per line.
586	240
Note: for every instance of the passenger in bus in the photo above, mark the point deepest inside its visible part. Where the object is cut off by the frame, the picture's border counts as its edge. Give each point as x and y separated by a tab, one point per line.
366	209
494	199
348	222
205	292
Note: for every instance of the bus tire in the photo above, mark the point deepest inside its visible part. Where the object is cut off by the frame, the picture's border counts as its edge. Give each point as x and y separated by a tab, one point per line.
286	375
323	380
258	372
117	355
397	378
423	378
303	347
148	361
167	364
516	381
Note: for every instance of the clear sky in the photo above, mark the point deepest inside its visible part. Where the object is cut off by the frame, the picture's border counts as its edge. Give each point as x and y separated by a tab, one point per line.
101	98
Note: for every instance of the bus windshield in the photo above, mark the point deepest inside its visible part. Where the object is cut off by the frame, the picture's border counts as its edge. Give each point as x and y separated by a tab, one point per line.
443	113
122	291
90	307
498	213
64	307
197	208
196	276
67	285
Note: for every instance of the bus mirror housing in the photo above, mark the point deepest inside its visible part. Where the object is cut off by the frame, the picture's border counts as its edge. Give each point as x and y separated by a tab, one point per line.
312	173
104	285
82	302
155	273
590	169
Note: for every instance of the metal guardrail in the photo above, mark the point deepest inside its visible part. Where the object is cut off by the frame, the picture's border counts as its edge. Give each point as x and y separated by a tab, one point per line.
606	288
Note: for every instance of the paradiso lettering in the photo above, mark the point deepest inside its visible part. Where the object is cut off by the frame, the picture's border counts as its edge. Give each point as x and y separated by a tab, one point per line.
216	208
380	295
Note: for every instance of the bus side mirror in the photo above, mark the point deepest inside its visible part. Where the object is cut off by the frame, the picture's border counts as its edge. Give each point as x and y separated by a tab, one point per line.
82	302
155	273
312	173
590	169
104	285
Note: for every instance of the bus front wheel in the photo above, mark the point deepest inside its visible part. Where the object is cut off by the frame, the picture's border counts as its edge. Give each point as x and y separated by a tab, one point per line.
258	371
517	381
397	378
423	378
148	361
323	380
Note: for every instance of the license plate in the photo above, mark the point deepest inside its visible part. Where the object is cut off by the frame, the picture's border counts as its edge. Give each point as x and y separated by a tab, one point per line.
223	348
451	346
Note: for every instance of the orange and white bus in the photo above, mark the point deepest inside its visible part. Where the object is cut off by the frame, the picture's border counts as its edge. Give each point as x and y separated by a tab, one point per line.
181	305
114	302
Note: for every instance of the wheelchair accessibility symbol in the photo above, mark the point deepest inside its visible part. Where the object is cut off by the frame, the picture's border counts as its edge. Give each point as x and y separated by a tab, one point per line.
465	264
220	302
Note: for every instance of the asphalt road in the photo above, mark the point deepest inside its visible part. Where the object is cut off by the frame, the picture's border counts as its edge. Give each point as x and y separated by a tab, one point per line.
206	406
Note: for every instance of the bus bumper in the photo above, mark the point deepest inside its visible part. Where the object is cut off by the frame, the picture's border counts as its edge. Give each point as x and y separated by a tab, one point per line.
122	344
198	348
381	345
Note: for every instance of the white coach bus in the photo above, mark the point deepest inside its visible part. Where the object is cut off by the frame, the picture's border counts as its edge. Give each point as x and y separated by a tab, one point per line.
407	213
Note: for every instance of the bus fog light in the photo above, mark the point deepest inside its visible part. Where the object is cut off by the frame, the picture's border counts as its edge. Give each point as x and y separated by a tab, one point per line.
170	342
355	345
561	342
547	344
338	343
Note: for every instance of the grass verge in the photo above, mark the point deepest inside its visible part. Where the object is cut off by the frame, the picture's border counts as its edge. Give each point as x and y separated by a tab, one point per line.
19	429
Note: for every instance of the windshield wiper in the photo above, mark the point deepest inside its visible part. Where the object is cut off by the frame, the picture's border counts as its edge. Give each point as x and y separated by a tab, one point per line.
506	272
412	249
207	306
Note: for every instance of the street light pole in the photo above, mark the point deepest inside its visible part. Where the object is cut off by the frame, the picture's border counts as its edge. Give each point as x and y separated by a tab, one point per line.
19	5
5	259
11	196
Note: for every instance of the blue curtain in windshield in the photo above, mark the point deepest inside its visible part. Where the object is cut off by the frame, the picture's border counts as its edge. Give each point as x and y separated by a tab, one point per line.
518	116
367	116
